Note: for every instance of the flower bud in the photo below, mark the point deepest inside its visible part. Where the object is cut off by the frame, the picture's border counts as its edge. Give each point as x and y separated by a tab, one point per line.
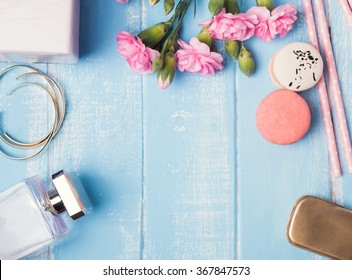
168	6
167	72
157	63
246	61
233	49
215	6
232	6
266	3
205	37
154	34
153	2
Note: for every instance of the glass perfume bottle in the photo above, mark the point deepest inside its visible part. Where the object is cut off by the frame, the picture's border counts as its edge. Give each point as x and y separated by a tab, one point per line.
30	213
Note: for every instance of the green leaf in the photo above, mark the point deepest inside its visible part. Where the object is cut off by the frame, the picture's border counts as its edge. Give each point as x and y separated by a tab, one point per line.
232	6
215	6
153	2
168	6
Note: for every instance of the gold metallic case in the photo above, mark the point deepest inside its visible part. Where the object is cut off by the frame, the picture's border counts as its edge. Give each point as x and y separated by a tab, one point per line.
321	227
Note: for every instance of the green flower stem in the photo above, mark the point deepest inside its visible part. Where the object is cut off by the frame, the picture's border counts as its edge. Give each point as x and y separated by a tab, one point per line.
176	14
153	35
184	5
170	41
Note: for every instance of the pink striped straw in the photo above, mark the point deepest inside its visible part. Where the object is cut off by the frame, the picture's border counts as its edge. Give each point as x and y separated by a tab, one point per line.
323	95
347	10
334	83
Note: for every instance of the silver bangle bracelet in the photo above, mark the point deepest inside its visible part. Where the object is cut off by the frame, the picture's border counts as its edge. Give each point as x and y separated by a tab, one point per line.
56	96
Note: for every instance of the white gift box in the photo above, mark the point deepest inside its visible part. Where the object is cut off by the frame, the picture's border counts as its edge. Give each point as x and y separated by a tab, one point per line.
39	31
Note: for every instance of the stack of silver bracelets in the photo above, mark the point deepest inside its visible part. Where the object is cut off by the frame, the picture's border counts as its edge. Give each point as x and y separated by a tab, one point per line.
56	96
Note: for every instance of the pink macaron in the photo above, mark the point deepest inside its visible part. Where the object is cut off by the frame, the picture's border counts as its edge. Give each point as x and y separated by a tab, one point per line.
283	117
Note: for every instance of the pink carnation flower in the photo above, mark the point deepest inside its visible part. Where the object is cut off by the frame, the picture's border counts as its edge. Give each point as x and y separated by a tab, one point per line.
122	1
279	22
263	29
138	56
283	18
196	57
226	26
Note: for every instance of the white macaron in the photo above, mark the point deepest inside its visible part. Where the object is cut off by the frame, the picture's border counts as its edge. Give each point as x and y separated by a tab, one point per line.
297	66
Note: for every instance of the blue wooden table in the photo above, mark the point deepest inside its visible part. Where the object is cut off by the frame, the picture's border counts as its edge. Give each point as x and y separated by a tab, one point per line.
181	173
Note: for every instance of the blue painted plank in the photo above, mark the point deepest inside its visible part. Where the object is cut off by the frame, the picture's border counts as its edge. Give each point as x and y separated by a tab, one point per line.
100	139
24	115
102	136
208	186
341	36
189	195
272	177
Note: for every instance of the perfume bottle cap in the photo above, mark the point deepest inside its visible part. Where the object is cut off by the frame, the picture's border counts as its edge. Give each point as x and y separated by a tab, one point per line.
68	195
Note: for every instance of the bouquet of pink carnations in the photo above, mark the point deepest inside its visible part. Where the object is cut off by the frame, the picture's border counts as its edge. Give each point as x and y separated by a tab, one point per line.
160	49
